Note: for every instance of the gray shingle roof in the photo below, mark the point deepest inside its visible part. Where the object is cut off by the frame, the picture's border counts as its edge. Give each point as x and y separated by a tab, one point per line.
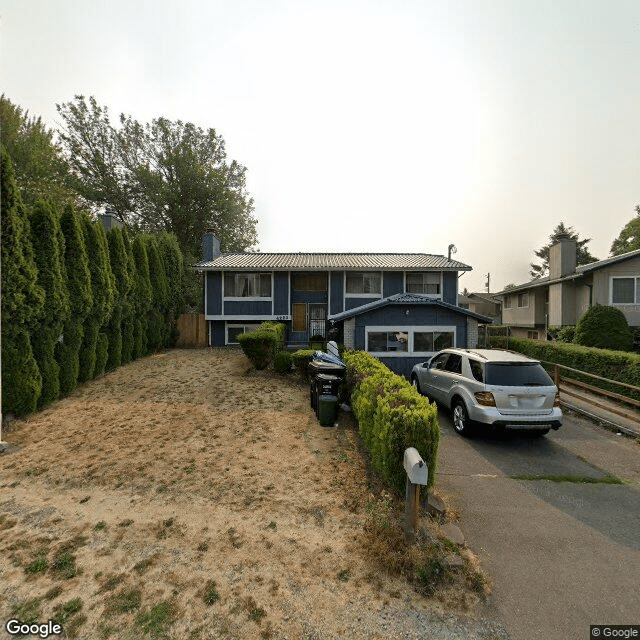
308	261
408	298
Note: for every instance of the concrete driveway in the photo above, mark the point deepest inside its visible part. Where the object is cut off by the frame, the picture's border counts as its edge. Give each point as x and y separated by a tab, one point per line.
563	555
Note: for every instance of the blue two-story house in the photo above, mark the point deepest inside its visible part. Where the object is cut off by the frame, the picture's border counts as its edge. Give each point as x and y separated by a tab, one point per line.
400	307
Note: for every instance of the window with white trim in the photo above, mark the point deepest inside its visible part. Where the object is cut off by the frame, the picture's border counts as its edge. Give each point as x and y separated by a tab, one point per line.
426	282
508	302
523	300
245	284
363	282
625	290
403	341
234	330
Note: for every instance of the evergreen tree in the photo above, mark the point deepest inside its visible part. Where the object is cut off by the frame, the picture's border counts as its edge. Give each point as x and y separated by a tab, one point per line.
122	285
582	252
174	267
48	247
102	293
629	238
22	299
80	300
157	333
142	297
128	309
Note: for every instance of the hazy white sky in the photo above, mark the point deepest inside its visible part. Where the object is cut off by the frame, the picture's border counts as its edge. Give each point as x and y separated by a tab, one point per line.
389	125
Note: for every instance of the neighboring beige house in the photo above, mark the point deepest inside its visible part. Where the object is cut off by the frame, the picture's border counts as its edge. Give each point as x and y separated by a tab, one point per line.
485	304
568	291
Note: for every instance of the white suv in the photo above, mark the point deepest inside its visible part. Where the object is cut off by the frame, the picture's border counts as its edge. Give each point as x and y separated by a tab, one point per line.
493	387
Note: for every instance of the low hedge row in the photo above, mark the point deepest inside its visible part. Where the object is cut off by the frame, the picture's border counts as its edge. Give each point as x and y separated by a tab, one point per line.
391	416
301	359
615	365
262	344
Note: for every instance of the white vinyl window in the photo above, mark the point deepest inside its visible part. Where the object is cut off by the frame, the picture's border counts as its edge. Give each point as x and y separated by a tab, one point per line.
247	285
233	330
625	290
508	302
523	300
426	282
407	341
363	283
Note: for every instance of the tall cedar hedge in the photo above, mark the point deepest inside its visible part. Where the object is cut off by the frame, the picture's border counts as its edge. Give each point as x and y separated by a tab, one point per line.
157	329
48	247
80	299
102	290
122	286
128	301
142	297
173	263
391	416
22	300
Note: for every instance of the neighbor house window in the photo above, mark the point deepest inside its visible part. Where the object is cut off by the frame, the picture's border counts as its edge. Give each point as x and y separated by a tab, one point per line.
532	335
234	330
424	282
247	285
363	282
508	302
408	340
523	300
625	290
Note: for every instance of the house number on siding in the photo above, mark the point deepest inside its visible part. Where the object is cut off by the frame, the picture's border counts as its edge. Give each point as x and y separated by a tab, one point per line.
283	317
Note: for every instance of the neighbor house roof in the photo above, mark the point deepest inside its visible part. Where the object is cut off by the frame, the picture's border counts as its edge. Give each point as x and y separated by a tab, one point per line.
309	261
408	298
580	271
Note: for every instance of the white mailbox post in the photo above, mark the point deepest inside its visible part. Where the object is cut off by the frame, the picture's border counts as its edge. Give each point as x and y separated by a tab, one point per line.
417	475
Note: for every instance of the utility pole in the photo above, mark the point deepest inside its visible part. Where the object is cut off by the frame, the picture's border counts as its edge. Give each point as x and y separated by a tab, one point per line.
486	284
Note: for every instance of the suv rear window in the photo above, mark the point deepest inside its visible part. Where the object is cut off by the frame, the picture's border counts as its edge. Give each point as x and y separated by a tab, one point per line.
517	374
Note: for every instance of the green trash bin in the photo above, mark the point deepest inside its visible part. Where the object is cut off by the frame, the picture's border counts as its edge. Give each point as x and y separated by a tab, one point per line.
327	410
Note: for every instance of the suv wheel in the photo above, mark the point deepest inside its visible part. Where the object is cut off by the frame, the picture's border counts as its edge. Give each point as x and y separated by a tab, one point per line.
461	422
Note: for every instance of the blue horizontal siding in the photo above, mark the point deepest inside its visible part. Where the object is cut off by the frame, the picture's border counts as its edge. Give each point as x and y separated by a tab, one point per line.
217	333
247	307
393	282
281	294
449	286
337	292
213	305
352	303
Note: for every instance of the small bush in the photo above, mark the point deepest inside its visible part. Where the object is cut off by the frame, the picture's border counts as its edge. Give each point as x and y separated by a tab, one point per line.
262	344
301	360
566	334
282	362
391	416
605	328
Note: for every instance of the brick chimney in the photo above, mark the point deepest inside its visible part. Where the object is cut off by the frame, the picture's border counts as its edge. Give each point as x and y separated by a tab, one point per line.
210	246
562	258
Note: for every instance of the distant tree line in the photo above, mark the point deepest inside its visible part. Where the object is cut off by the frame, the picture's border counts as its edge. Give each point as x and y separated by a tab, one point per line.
77	301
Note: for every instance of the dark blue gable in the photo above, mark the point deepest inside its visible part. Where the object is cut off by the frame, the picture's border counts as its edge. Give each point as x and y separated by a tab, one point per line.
213	302
450	286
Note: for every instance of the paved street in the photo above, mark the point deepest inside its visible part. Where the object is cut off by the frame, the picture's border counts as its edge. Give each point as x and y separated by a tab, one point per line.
562	555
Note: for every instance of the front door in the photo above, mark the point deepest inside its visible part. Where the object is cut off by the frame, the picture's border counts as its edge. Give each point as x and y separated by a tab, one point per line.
317	320
299	313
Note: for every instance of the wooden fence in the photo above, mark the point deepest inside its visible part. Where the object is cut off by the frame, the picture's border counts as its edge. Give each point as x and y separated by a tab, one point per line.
192	331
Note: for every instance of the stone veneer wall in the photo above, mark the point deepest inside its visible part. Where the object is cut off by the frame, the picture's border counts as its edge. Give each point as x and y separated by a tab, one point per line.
349	333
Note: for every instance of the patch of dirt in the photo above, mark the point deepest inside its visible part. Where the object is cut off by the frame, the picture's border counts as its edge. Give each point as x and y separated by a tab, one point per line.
188	496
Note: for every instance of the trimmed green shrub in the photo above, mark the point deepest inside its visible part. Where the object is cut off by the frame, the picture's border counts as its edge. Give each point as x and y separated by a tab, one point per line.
566	334
80	300
615	365
122	286
142	296
128	301
48	249
301	360
102	289
261	344
22	299
173	263
282	362
391	416
102	353
604	327
157	326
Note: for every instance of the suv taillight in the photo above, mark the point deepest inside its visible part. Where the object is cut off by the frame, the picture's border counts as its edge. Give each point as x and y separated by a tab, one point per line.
556	402
485	398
